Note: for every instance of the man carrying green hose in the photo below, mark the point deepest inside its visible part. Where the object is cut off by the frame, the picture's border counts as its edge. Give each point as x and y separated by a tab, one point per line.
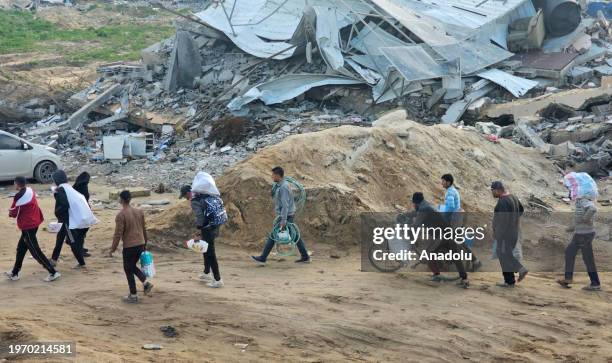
285	212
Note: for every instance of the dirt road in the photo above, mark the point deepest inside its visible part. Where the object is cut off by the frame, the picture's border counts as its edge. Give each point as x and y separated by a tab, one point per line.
326	311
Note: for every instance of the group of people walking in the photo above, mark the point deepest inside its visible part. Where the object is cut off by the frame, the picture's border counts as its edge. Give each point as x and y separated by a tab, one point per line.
506	231
72	210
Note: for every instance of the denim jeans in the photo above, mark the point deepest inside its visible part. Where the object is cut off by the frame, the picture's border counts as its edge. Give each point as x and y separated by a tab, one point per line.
270	244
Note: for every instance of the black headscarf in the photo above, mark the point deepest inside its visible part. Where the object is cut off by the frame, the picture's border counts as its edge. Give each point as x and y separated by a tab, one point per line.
59	177
81	184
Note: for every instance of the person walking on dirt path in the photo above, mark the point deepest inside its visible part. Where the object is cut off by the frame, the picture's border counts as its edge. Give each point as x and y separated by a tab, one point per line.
130	228
29	217
453	213
506	226
285	211
584	234
81	185
73	211
428	217
210	214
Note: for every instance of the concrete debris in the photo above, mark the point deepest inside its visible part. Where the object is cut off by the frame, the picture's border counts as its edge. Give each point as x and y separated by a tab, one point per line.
285	68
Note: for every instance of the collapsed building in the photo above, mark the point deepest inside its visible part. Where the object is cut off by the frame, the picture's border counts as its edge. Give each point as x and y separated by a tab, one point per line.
449	62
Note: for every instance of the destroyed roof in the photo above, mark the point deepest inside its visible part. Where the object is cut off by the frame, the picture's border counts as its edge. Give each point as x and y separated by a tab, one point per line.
461	37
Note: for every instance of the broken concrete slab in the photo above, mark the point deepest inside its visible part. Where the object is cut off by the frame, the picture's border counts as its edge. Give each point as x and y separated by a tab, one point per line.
576	99
79	116
526	135
185	63
457	109
562	150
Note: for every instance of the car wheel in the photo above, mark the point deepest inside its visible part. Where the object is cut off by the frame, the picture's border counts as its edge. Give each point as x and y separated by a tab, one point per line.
44	171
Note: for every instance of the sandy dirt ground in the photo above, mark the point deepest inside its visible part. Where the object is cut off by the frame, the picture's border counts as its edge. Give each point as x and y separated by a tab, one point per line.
322	312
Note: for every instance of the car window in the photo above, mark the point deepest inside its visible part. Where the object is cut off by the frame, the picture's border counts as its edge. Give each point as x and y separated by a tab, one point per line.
10	143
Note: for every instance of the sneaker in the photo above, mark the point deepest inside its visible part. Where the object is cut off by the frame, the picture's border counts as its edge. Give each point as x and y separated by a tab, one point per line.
205	276
216	284
565	283
53	262
592	288
522	274
303	260
465	283
259	260
86	254
52	277
505	285
130	299
148	287
80	267
11	277
435	278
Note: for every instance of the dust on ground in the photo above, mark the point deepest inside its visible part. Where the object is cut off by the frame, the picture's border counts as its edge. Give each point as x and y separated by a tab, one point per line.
325	311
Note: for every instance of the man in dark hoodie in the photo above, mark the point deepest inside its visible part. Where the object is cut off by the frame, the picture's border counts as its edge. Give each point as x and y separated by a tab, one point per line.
81	185
75	236
428	217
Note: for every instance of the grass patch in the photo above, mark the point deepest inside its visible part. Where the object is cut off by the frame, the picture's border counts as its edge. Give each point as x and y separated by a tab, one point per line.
21	31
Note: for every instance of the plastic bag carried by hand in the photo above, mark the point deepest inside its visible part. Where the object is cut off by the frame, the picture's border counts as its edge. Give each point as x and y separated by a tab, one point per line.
580	185
146	264
200	246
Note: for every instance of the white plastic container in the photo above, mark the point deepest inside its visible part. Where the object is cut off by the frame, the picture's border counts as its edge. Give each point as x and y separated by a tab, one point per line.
54	227
200	246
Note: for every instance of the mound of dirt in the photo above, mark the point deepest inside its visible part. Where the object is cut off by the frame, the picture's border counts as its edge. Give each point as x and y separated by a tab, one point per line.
350	170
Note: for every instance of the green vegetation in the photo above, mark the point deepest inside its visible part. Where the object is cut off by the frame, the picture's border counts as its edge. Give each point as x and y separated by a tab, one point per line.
22	31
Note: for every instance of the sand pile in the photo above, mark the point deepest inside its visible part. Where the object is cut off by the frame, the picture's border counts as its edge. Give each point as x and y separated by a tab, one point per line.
350	170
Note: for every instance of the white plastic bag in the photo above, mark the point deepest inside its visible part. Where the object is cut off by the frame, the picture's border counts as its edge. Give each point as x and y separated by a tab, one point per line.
200	246
580	185
203	183
54	227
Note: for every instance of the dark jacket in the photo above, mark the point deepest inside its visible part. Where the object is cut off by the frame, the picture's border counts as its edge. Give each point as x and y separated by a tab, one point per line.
429	217
61	199
61	205
507	218
81	184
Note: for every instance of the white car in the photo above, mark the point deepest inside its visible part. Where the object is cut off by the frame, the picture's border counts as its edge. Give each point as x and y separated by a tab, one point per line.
19	157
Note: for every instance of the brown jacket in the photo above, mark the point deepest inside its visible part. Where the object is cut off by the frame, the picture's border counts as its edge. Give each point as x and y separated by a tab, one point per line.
129	227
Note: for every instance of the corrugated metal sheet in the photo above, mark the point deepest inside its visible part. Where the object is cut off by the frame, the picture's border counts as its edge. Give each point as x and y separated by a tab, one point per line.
372	38
414	64
288	87
262	27
475	55
516	85
429	30
471	13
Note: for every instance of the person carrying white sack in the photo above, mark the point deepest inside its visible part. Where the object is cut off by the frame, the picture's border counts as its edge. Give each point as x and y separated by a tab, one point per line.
73	211
210	214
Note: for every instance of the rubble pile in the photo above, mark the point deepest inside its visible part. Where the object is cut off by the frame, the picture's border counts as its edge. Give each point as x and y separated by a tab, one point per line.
351	170
291	66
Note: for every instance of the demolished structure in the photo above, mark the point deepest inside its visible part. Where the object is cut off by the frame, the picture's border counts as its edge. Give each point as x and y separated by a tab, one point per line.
444	62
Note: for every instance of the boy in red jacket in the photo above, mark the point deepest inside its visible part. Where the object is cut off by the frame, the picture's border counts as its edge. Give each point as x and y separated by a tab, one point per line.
29	216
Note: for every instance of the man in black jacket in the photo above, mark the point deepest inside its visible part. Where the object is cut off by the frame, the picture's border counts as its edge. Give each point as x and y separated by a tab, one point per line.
428	217
81	185
75	237
506	225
